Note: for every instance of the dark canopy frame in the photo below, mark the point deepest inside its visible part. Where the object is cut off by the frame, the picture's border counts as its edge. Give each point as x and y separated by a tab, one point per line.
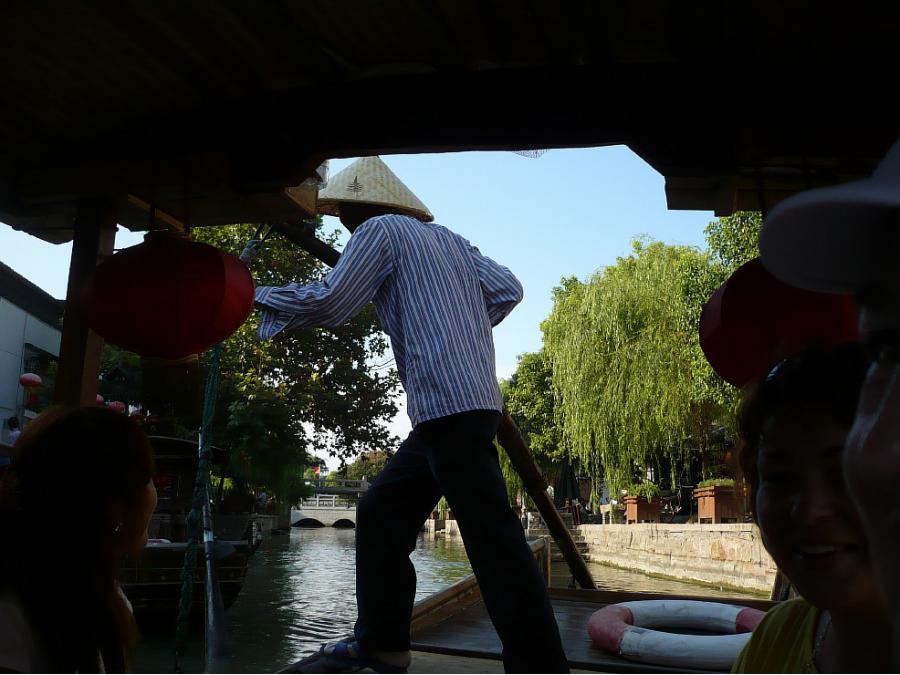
209	111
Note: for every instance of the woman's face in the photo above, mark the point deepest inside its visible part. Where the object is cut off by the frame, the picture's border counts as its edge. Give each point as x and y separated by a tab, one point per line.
148	505
807	520
136	537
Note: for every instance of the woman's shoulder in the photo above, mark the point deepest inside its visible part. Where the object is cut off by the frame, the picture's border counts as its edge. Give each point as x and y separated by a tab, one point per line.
19	650
782	642
796	609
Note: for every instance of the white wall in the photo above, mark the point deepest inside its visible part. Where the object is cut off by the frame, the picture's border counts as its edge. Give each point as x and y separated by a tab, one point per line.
16	328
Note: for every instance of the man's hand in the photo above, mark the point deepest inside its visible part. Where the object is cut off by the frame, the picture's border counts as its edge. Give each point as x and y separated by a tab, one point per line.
248	255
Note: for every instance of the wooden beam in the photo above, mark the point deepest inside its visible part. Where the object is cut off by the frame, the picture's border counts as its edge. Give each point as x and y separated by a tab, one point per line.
297	234
79	352
167	218
166	176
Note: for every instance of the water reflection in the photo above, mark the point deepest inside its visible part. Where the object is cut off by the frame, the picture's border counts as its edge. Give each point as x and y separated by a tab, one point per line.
300	592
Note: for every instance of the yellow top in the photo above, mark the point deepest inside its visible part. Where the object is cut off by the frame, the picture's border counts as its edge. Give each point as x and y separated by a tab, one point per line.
782	642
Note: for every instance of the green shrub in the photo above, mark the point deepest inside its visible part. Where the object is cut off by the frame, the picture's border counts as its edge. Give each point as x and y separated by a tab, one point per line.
716	482
647	490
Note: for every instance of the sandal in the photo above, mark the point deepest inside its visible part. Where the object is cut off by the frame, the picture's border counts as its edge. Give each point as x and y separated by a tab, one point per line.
342	659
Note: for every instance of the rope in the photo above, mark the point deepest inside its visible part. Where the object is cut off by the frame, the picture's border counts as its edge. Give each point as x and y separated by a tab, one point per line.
202	482
199	498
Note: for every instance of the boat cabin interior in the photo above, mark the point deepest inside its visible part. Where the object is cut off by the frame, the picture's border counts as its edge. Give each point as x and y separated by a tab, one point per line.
175	463
180	115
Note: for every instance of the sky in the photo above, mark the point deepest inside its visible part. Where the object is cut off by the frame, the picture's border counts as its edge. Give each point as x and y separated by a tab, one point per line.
568	212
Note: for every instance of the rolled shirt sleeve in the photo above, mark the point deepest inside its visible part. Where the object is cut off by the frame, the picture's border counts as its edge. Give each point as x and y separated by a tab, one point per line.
363	266
502	290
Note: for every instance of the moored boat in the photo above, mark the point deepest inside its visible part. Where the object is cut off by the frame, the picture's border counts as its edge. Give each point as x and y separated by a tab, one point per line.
152	580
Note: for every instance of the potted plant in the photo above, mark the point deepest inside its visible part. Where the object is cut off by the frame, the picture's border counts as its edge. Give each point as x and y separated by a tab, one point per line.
642	503
717	501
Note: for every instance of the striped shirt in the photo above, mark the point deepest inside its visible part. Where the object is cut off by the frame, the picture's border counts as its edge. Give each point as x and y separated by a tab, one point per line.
437	298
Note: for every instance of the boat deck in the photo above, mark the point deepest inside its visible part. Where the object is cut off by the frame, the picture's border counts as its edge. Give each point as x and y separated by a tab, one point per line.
467	633
452	633
429	662
471	634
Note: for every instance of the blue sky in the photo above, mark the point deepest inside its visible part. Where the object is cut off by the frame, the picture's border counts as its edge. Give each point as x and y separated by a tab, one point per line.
569	212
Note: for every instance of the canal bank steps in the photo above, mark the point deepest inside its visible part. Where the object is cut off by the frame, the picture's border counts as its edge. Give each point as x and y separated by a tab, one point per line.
555	554
538	528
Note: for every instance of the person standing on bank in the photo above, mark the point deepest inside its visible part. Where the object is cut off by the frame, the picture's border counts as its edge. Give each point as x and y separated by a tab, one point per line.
437	298
15	430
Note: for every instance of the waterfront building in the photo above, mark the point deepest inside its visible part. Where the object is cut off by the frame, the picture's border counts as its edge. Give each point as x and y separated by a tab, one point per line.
30	332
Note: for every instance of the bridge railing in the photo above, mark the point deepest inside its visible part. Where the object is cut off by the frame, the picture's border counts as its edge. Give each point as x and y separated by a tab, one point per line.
327	502
347	484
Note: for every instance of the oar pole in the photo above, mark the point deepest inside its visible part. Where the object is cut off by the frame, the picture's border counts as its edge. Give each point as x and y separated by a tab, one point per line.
218	645
536	486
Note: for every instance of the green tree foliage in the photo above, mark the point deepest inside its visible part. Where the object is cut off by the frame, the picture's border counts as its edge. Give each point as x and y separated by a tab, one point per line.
528	396
368	466
278	399
265	441
304	388
631	383
734	240
120	375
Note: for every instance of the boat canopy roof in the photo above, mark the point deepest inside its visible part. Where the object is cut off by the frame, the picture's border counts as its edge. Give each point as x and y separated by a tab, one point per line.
209	112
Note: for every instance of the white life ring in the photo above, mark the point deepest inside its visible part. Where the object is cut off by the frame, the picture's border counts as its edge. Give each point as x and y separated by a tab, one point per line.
623	629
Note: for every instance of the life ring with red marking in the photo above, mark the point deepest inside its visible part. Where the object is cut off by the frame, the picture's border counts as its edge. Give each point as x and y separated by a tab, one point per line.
625	629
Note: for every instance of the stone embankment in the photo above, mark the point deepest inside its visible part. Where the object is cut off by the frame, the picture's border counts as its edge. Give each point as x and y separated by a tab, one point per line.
728	556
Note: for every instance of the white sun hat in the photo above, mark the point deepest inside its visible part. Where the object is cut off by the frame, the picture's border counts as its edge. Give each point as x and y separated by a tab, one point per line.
837	239
369	181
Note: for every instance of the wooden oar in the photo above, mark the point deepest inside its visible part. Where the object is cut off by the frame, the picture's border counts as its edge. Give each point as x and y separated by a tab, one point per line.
508	434
536	486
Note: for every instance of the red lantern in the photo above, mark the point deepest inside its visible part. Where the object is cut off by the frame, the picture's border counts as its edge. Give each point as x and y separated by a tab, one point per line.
118	406
100	400
754	320
168	297
162	480
30	380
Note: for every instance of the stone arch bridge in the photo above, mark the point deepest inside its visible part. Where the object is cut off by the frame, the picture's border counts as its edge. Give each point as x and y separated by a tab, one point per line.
334	505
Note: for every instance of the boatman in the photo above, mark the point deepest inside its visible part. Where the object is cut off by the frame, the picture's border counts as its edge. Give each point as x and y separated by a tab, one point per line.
437	298
846	239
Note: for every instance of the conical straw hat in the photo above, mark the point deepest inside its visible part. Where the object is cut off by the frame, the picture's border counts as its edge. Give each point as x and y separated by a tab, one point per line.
369	181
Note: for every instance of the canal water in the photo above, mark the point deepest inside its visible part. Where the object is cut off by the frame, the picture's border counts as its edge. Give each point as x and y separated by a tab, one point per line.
299	593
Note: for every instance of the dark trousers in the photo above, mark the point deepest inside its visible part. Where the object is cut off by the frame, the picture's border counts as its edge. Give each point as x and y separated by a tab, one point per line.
452	456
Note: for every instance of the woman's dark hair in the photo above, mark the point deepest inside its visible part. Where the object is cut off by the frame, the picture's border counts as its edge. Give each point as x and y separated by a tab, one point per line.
13	422
72	495
825	381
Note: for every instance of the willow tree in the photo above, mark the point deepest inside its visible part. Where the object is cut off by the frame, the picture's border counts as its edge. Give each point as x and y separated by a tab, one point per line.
623	348
732	241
